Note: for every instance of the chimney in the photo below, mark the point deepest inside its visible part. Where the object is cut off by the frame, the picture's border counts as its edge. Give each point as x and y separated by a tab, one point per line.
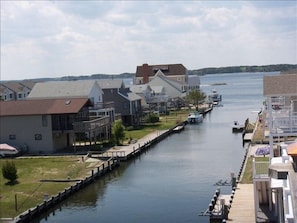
145	73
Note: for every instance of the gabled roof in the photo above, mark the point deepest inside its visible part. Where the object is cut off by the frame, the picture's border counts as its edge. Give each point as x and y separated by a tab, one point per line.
281	85
139	88
42	106
111	83
172	83
14	86
167	69
62	89
131	96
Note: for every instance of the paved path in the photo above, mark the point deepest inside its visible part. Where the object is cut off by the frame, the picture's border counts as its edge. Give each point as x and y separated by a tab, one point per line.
242	209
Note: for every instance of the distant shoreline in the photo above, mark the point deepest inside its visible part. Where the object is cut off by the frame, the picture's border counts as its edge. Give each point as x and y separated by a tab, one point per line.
199	72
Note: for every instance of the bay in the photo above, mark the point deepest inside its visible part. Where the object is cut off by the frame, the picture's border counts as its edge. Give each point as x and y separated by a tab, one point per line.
174	180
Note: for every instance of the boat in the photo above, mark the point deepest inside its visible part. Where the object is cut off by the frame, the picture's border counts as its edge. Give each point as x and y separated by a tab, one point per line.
215	98
237	127
195	118
178	128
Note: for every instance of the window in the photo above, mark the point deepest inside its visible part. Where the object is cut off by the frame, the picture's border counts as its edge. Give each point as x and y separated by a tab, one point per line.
38	137
20	95
44	120
12	137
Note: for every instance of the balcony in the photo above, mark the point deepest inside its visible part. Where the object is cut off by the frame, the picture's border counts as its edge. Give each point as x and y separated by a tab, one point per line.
86	126
284	121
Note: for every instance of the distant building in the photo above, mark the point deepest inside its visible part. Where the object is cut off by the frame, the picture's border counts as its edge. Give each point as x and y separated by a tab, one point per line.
126	103
175	72
15	90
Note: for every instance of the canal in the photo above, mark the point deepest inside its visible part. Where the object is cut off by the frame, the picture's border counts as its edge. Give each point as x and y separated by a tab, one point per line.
174	180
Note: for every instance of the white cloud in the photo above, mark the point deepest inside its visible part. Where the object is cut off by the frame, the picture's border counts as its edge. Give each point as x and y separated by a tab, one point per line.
57	38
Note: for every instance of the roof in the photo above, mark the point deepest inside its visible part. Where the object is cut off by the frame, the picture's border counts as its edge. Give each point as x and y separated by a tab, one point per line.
111	83
140	88
167	69
131	96
62	89
42	106
14	86
194	80
280	85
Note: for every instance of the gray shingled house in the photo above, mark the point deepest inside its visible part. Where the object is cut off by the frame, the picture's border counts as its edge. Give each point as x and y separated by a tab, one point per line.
127	103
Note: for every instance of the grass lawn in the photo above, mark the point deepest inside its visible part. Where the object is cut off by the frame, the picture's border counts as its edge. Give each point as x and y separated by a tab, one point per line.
247	177
165	122
29	190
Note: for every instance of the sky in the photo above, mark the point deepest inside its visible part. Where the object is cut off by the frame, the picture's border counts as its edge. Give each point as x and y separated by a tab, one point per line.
72	38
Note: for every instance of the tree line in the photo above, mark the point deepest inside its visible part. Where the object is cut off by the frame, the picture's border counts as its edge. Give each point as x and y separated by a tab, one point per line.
241	69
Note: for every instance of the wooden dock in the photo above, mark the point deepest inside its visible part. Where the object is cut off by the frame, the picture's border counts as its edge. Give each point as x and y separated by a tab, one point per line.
242	208
126	151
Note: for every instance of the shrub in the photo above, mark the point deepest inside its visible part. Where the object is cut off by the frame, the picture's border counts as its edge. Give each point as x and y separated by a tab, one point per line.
9	171
151	118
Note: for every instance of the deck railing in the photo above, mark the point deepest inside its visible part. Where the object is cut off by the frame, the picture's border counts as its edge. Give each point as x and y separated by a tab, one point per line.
91	125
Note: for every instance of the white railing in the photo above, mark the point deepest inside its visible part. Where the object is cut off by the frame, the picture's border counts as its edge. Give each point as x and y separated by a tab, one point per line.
288	124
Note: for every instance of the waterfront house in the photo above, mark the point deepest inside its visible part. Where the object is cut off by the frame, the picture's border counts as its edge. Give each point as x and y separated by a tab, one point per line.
175	72
194	82
275	181
126	103
174	90
144	91
43	126
159	100
89	89
68	89
13	90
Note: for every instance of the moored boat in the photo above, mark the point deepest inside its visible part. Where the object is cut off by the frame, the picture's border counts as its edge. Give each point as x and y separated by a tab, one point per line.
215	97
237	127
195	118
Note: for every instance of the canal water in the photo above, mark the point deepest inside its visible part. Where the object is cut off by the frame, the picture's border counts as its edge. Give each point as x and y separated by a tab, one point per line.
174	180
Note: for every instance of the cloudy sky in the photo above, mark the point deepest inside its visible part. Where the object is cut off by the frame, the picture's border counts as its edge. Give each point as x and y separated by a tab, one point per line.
61	38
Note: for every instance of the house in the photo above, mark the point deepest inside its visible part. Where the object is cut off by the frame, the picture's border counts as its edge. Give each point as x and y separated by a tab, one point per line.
68	89
175	72
44	126
275	182
144	91
15	90
126	103
159	100
194	82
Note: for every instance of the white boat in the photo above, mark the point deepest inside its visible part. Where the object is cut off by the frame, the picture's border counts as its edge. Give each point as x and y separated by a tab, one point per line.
237	127
214	97
195	117
8	151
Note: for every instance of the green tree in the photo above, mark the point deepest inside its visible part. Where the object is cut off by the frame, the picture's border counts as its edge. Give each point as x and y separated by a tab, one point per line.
196	97
117	131
9	171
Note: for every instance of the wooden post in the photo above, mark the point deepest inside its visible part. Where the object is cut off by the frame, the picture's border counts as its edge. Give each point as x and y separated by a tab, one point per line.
15	202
